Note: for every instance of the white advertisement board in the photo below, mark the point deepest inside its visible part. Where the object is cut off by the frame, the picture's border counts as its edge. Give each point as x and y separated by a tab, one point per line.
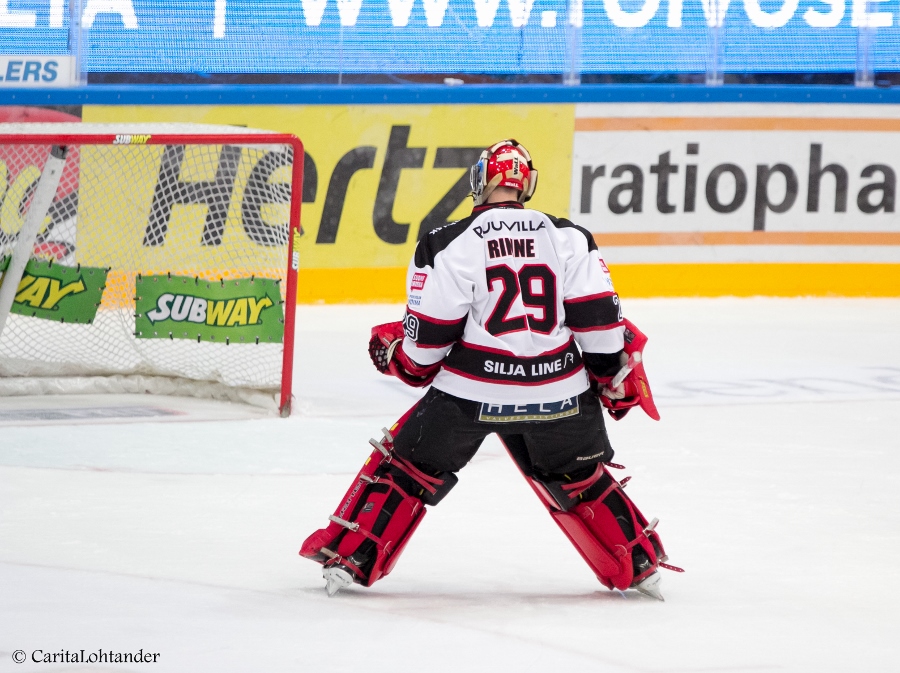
738	182
37	71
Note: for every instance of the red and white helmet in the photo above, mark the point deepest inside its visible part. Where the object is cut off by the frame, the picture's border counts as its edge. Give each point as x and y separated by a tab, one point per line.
504	164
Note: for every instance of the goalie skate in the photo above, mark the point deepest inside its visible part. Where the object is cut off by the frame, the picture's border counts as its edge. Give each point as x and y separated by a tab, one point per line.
336	578
649	586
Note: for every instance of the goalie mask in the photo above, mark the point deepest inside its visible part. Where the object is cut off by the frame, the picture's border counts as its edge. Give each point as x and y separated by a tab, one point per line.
504	164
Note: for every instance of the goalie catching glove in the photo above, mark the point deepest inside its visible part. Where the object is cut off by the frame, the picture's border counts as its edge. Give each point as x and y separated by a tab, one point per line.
629	387
387	355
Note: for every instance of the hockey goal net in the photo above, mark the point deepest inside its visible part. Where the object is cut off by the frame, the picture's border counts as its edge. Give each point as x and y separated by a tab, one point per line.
148	258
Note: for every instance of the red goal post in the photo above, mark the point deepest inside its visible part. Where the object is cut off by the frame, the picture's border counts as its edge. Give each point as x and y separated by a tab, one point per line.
149	258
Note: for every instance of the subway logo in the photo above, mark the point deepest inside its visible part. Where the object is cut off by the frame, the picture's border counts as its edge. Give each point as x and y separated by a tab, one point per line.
245	310
223	313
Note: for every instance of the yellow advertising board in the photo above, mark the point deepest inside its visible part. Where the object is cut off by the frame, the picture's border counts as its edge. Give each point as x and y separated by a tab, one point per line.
378	176
177	236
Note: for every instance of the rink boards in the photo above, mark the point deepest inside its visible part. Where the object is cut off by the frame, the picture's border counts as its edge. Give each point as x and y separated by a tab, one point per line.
683	198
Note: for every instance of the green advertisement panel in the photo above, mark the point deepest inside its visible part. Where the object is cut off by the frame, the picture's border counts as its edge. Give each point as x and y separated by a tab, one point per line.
243	310
55	292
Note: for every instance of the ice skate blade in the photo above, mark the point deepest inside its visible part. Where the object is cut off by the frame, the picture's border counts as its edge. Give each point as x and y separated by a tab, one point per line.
649	586
336	579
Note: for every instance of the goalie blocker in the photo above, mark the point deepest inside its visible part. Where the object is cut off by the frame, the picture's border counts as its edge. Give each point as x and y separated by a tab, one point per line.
629	386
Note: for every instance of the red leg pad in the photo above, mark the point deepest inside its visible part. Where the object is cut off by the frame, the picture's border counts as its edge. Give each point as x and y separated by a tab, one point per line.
595	532
603	527
599	519
402	523
592	525
377	515
603	563
391	560
325	536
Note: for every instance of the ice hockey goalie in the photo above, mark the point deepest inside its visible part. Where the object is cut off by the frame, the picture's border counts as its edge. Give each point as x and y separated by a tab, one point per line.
513	321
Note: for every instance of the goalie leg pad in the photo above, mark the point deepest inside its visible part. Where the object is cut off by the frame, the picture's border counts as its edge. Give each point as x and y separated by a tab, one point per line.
608	530
377	516
585	521
381	526
619	526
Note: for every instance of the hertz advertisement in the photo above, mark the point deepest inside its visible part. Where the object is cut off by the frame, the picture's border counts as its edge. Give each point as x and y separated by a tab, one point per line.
377	177
682	199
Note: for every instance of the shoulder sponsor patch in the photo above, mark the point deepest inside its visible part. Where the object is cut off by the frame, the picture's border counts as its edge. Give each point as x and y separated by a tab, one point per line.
603	266
418	281
516	413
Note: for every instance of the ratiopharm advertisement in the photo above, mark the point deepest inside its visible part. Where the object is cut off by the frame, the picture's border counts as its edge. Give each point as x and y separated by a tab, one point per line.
701	199
693	194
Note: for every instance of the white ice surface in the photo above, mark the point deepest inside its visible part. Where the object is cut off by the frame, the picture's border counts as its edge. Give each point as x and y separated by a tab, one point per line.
775	472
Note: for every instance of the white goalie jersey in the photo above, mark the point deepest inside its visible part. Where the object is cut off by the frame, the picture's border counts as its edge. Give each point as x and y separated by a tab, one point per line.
507	299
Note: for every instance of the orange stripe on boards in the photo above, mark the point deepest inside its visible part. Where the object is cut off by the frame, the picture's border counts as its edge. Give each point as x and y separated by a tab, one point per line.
357	286
734	124
748	238
749	280
388	285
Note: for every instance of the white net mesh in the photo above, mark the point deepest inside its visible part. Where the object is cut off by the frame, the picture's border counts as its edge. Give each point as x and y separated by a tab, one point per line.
202	210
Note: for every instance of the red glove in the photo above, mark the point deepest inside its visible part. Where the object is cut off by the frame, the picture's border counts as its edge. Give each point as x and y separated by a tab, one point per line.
629	387
389	358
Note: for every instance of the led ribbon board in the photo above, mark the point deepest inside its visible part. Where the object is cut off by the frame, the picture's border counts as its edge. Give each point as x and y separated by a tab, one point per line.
476	36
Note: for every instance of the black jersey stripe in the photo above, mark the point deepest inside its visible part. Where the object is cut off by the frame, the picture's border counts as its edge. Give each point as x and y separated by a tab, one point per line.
428	332
496	366
562	223
438	239
591	313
